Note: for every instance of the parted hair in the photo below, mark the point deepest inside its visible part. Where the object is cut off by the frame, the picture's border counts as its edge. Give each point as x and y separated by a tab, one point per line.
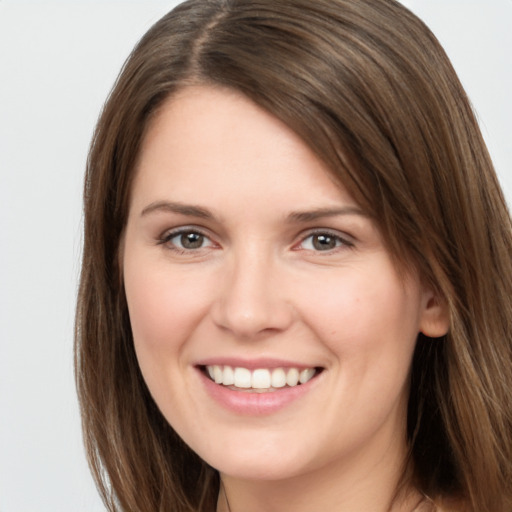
368	87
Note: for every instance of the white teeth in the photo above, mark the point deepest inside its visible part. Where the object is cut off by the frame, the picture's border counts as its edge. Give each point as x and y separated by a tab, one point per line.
217	374
278	378
261	378
242	378
229	376
292	377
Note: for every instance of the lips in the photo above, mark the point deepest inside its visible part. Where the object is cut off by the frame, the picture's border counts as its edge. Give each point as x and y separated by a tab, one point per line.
258	386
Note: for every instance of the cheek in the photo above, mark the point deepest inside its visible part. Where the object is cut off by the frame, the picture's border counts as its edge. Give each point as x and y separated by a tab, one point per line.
164	308
152	307
368	320
370	327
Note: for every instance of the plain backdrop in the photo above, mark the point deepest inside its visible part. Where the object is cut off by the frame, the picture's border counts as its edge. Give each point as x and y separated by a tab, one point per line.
58	61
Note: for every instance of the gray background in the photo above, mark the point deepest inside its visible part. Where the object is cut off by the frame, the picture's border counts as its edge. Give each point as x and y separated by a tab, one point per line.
58	61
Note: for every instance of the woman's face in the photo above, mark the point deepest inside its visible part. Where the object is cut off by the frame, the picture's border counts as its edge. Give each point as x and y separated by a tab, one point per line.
243	259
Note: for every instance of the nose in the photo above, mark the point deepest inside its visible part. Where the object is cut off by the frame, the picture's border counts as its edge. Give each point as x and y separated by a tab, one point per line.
252	298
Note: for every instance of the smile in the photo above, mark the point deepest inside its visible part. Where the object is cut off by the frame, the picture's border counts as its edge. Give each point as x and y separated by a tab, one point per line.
258	387
260	379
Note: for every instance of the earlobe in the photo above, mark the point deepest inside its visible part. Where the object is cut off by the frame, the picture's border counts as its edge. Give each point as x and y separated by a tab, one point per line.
435	319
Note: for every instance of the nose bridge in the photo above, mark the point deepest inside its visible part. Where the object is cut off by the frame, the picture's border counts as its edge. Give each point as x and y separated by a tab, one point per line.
252	298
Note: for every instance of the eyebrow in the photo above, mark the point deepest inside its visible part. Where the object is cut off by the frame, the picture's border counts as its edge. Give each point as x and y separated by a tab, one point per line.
180	208
294	217
320	213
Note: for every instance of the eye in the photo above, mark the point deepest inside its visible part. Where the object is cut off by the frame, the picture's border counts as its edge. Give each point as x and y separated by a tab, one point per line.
323	241
186	240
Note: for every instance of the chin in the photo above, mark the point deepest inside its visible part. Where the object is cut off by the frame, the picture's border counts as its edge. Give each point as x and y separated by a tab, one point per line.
257	462
259	470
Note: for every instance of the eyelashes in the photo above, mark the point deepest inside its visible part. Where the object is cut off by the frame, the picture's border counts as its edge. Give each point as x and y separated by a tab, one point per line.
192	240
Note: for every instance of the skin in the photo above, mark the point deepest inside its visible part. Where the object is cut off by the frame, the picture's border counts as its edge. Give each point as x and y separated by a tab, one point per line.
258	286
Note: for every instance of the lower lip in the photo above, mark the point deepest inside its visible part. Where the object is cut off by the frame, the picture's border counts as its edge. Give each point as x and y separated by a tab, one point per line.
254	403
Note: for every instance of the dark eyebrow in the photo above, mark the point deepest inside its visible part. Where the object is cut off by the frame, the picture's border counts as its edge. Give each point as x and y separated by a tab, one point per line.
180	208
320	213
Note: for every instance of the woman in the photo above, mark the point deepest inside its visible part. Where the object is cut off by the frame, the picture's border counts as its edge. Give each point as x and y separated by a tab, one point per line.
296	289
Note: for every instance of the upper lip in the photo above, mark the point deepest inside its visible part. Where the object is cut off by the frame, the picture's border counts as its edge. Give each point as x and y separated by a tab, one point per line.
254	364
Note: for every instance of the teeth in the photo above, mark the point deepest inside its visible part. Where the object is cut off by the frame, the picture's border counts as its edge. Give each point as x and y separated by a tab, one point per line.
218	376
278	378
242	378
292	377
306	375
261	378
228	376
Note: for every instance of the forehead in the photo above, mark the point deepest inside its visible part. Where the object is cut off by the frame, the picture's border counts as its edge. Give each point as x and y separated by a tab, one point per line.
206	139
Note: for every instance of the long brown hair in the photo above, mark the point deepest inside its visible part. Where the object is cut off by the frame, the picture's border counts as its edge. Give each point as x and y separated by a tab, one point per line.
368	87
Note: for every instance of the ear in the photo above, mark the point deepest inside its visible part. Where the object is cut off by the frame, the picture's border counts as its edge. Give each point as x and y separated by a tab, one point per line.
435	316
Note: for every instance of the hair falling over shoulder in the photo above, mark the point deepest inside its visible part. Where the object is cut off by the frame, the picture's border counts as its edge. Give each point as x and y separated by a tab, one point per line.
368	87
